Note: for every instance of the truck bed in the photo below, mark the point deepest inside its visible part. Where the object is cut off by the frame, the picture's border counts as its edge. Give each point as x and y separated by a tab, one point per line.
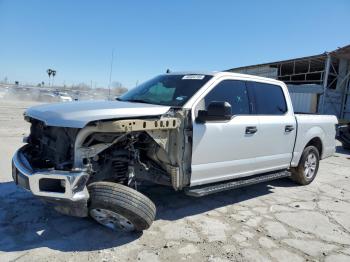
323	126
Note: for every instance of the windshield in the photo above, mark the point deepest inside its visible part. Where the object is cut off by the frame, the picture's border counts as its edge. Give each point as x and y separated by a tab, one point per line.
170	90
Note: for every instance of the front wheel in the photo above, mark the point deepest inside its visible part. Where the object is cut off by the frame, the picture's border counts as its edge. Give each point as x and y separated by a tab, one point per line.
119	207
307	169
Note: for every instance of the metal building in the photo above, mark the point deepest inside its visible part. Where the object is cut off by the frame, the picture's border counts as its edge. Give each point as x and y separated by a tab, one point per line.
318	84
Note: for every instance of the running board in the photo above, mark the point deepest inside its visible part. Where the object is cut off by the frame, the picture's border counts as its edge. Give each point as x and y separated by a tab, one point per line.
204	190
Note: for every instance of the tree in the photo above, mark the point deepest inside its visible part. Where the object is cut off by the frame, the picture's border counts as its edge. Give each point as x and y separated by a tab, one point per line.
5	81
82	86
116	84
51	72
117	88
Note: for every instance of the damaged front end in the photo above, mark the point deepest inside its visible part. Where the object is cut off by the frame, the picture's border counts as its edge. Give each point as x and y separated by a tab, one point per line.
58	163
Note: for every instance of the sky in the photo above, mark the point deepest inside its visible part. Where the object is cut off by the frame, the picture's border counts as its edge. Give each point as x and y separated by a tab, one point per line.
76	38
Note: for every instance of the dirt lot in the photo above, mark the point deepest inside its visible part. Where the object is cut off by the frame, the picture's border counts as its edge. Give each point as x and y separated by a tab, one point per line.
278	221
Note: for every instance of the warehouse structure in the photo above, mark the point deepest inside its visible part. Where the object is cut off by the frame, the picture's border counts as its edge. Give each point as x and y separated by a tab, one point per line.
318	84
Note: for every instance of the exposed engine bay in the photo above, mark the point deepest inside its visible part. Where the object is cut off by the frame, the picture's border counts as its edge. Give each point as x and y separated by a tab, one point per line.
131	152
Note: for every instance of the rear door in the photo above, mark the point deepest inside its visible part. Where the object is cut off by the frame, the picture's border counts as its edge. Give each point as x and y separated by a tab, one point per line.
277	126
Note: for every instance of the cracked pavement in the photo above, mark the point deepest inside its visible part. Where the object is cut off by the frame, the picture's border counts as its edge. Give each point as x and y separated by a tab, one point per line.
275	221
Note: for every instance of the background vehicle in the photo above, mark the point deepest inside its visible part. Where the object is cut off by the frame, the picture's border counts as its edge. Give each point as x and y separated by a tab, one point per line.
63	97
343	135
198	132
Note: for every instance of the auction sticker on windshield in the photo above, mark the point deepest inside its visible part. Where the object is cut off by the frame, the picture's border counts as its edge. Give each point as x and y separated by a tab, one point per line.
193	77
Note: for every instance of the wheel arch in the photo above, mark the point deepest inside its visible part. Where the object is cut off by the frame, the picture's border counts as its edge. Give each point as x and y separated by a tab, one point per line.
314	136
316	142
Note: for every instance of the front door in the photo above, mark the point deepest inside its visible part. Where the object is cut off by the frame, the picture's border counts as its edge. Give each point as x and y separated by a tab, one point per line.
225	149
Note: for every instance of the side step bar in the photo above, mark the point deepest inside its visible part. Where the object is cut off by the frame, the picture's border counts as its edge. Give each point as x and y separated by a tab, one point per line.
204	190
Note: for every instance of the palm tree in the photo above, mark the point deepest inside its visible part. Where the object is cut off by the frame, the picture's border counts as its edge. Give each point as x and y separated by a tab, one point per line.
53	75
49	72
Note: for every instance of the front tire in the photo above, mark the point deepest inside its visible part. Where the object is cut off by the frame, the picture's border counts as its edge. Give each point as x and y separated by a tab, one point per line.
120	207
307	169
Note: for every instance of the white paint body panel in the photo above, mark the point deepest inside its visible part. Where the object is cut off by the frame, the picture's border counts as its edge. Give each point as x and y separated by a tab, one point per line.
311	126
79	114
274	146
222	151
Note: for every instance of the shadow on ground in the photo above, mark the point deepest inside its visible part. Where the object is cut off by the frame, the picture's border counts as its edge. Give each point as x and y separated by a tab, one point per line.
27	223
341	150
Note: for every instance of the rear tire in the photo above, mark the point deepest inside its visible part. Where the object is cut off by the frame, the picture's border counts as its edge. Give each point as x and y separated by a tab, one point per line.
120	207
307	169
346	146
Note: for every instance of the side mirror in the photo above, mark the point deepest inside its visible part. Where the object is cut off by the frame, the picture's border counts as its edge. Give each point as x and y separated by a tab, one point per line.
217	111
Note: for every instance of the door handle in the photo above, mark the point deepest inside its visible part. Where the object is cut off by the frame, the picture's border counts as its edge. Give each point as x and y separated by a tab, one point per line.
288	128
251	130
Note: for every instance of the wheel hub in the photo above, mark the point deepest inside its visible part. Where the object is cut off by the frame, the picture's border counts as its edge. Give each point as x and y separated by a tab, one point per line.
310	165
111	219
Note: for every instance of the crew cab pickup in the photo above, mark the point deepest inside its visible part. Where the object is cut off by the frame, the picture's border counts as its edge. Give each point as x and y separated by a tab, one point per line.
200	133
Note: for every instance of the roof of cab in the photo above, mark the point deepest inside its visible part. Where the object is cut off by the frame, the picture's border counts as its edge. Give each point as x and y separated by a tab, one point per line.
224	73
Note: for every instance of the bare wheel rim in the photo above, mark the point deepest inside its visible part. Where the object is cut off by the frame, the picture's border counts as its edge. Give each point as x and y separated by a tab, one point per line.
310	165
111	219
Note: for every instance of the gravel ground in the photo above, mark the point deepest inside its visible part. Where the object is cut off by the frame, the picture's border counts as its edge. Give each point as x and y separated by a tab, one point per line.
276	221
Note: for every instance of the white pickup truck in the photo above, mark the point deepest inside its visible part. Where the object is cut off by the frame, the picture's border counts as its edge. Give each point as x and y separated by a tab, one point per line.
197	132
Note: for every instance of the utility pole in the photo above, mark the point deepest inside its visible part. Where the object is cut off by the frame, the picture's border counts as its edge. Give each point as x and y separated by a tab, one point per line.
110	76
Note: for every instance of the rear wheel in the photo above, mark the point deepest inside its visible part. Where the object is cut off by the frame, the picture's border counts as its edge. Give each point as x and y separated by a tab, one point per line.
346	146
119	207
307	169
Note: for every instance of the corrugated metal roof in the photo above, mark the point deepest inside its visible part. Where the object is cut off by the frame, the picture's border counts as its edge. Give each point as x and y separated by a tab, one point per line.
340	52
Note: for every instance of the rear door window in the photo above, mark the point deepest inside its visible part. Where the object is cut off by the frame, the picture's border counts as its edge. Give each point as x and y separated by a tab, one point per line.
268	99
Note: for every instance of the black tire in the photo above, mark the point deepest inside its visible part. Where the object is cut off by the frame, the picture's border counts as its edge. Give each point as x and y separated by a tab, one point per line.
300	173
112	198
346	146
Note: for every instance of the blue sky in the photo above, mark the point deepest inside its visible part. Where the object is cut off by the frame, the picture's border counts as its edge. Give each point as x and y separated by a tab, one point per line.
77	37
